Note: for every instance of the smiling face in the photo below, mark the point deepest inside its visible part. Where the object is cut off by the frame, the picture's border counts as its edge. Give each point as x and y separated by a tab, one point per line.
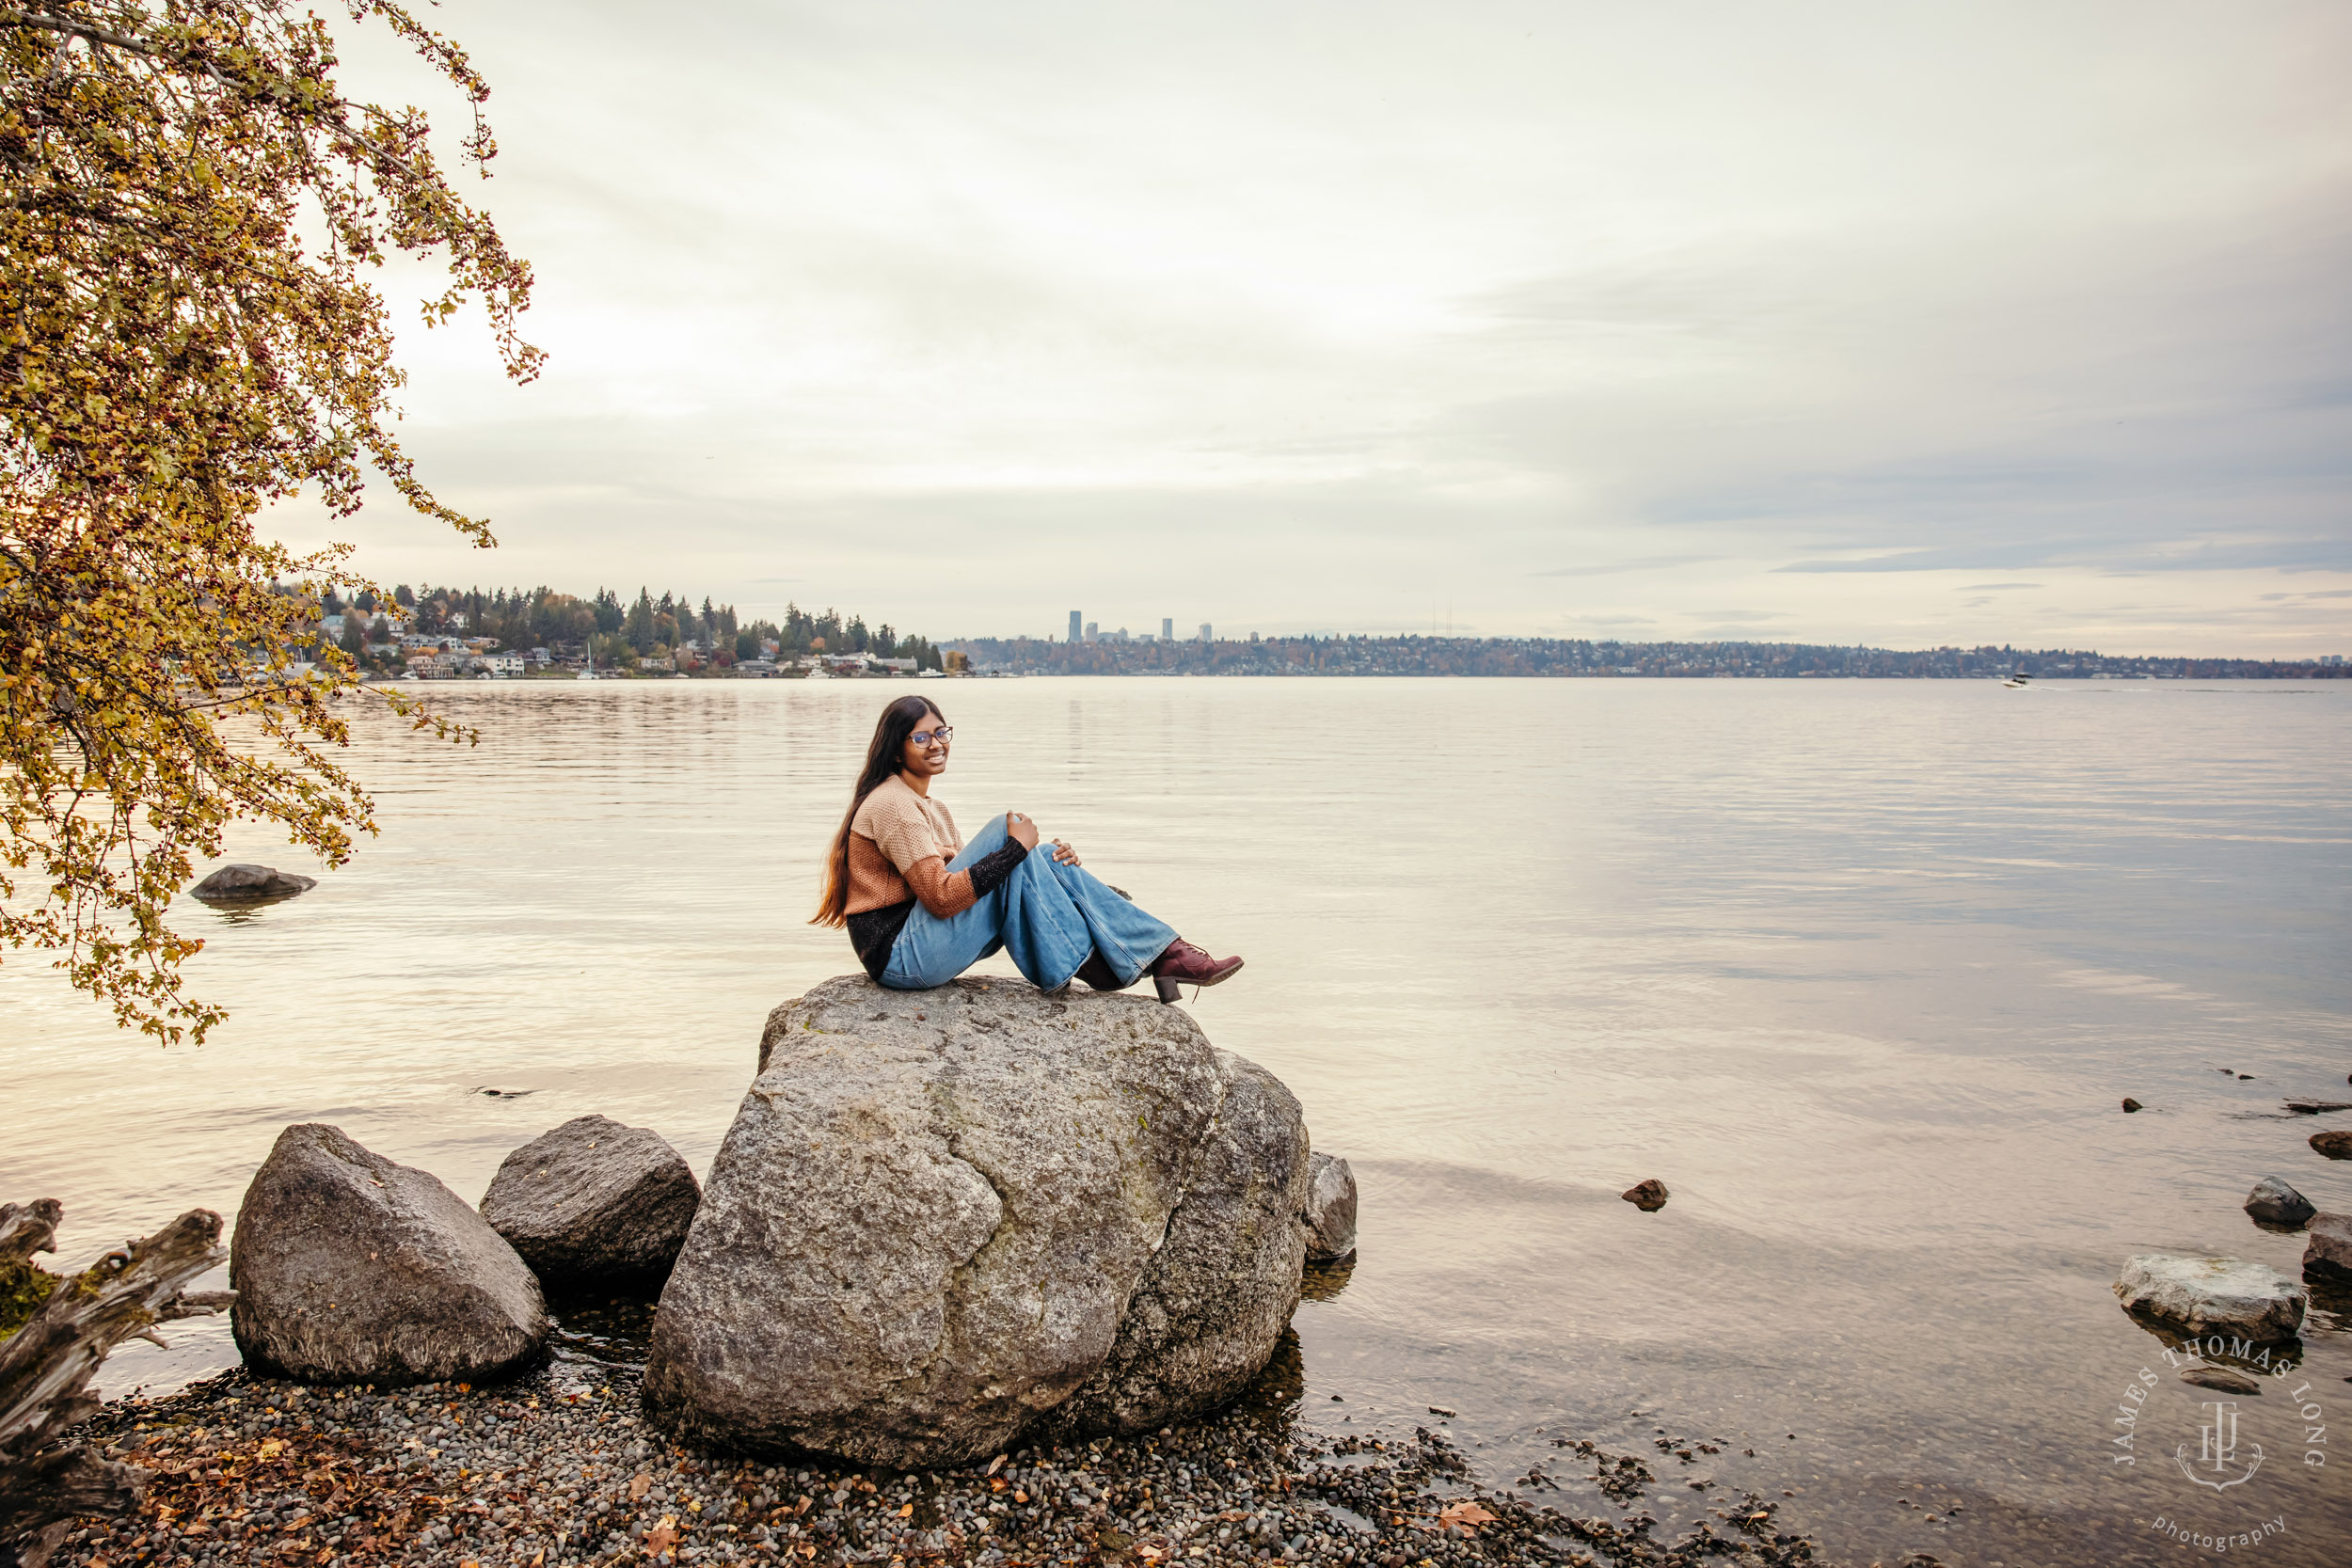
924	754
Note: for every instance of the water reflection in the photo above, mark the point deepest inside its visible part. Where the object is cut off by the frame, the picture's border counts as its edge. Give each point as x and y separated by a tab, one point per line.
246	911
1324	1281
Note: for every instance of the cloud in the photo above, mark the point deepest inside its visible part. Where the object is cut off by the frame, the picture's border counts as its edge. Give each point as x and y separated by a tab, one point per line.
1311	318
1613	568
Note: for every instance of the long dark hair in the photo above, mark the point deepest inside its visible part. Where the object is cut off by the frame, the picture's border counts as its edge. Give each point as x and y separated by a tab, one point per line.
884	757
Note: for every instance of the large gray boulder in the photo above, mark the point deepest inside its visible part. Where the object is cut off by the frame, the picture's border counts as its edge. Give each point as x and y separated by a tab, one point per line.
1330	1209
595	1203
2213	1295
351	1269
247	884
940	1215
2328	1248
2274	1202
1214	1300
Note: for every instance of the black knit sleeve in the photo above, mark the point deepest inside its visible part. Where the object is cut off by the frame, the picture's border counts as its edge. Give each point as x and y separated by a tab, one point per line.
989	872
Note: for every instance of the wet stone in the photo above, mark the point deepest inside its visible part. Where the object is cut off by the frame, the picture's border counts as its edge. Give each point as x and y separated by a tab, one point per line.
2273	1202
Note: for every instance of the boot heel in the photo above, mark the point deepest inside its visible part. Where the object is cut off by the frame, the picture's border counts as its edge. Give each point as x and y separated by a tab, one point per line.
1168	987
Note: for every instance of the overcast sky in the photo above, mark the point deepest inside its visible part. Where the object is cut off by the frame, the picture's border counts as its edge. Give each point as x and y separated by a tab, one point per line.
1902	325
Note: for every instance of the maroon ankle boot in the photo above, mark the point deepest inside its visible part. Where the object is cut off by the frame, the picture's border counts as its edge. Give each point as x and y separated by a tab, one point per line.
1184	964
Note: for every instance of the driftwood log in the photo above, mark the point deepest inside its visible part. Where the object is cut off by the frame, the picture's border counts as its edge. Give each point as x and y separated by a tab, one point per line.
46	1364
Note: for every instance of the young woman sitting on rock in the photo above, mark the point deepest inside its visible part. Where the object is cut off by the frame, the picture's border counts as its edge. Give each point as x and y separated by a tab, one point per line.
921	906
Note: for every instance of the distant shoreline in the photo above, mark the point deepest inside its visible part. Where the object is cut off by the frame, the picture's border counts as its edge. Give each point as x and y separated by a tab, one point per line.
2284	673
1589	660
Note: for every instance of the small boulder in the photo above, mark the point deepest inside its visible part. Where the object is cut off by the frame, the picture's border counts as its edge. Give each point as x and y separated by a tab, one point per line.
247	884
2208	1294
2335	1145
595	1203
1330	1209
2327	1250
2130	1104
351	1269
2273	1202
1648	1196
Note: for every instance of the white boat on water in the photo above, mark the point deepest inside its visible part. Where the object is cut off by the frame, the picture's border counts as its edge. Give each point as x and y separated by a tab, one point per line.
2018	683
818	673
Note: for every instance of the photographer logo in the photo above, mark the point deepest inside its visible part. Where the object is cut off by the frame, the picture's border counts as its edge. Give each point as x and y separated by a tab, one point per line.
2222	1398
2216	1465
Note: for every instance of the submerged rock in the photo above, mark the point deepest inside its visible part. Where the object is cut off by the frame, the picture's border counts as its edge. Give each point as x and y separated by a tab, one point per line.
2274	1202
940	1215
2228	1379
1648	1196
243	884
1330	1209
2130	1104
594	1202
2327	1251
2336	1144
2205	1295
351	1269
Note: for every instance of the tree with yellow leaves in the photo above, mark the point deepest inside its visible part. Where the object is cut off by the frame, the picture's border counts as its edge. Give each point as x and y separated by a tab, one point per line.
188	207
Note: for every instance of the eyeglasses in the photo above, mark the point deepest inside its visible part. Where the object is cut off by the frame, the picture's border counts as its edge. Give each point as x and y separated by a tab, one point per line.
923	737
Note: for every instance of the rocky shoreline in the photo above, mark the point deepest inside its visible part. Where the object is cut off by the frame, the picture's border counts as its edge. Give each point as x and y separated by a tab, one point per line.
560	1468
977	1276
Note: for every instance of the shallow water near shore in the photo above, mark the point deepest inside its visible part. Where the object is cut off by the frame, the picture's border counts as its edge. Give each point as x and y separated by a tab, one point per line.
1860	970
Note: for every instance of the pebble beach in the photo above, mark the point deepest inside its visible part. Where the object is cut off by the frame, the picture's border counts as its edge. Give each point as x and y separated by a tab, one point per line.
559	1469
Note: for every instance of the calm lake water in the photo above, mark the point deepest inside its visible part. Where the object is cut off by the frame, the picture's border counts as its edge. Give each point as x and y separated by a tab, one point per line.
1859	969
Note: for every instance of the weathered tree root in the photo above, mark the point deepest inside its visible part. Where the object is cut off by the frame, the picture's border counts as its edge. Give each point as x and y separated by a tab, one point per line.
46	1365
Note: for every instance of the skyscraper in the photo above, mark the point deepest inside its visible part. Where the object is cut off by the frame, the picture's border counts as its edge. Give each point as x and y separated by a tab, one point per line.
1168	628
1204	633
1091	628
1074	632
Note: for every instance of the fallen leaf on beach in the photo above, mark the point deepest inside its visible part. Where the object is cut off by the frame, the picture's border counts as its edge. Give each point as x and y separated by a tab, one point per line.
662	1537
638	1488
1468	1514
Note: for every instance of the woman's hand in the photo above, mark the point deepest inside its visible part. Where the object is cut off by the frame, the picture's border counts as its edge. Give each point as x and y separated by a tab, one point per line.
1064	854
1021	829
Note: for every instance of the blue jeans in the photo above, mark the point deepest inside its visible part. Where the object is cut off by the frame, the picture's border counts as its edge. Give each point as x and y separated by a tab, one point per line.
1048	916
